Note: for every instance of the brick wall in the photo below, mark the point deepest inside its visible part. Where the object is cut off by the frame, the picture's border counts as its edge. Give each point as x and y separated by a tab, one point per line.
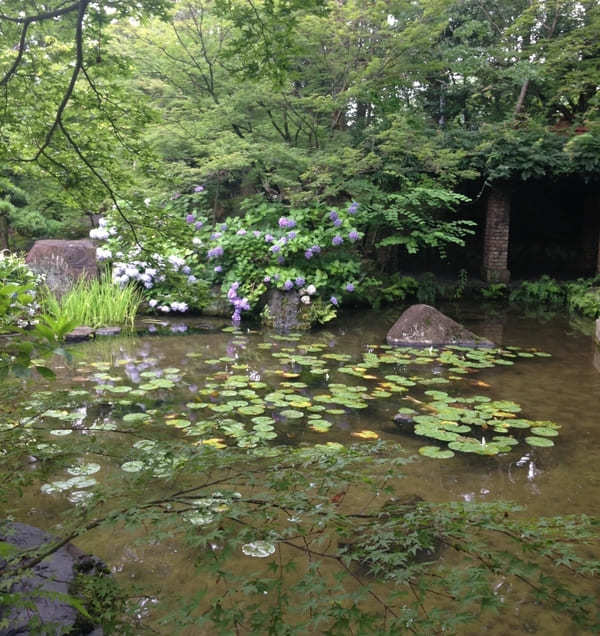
495	244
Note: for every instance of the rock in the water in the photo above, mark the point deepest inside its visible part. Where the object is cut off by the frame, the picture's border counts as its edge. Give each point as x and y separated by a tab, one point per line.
53	575
283	311
108	331
80	333
425	326
63	262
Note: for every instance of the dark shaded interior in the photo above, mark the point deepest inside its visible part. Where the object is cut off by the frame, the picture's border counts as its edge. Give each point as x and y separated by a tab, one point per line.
550	232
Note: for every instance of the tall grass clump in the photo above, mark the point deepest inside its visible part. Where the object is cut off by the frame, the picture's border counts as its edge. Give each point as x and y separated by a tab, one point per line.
96	303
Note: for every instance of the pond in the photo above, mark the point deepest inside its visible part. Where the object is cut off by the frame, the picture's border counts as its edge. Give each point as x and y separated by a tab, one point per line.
531	412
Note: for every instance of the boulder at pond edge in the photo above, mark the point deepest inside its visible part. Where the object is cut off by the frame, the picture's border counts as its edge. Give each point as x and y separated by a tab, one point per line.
425	326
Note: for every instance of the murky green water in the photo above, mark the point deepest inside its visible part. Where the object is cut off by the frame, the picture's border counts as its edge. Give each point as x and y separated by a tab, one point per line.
565	389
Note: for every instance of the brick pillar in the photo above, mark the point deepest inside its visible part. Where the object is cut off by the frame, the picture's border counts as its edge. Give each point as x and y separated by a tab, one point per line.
590	235
495	244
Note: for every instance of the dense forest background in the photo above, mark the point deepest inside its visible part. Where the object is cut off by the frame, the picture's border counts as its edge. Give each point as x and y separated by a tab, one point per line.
414	109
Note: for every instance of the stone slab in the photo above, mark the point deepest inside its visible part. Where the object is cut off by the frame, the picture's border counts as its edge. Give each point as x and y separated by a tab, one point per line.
63	261
53	575
425	326
80	334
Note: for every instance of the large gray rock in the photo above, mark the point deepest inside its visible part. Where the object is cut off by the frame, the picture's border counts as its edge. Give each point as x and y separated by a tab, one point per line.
284	311
425	326
53	575
63	262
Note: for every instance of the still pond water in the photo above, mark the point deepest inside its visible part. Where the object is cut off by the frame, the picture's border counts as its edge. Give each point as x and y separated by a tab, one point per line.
563	389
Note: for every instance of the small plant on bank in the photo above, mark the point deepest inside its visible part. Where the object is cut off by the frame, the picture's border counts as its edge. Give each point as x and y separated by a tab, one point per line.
18	290
95	303
545	291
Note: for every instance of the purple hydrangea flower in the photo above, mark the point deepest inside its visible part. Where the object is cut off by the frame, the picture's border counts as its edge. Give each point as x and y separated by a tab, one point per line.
241	232
316	249
337	240
275	248
267	279
333	300
353	235
349	287
333	215
216	235
276	277
283	222
280	260
353	208
288	284
186	269
308	255
223	227
300	281
291	235
269	238
337	222
291	223
215	252
198	224
190	218
218	269
199	188
256	234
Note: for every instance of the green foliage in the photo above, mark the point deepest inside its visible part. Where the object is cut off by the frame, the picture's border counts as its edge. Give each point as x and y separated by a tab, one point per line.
95	303
583	297
545	291
495	291
18	293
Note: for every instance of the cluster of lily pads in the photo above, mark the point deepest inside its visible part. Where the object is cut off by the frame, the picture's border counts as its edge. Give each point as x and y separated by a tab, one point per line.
291	391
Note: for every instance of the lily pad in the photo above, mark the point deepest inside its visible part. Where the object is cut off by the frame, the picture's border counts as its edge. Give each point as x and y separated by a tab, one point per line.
539	441
435	452
258	549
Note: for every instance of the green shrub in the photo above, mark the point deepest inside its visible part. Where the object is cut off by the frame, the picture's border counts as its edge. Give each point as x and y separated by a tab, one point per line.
18	289
544	291
583	297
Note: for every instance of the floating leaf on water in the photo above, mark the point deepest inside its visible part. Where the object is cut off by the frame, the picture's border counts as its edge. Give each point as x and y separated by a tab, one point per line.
544	431
258	549
435	452
80	496
263	420
221	408
539	441
199	518
505	439
251	410
320	426
178	423
61	432
365	434
291	414
214	442
136	417
132	467
83	469
145	444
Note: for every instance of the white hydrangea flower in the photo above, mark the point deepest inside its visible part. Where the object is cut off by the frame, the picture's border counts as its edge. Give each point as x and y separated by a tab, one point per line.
311	290
103	254
305	299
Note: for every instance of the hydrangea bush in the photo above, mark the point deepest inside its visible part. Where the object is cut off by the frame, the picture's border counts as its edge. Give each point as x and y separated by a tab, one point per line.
310	251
